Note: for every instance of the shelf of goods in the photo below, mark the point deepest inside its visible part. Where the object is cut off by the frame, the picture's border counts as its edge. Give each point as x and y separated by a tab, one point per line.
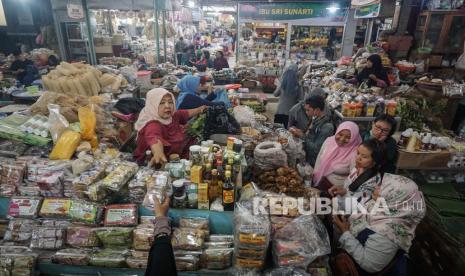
219	223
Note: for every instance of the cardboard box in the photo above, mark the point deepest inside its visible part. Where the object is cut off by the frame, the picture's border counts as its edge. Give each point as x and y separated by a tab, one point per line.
435	61
196	174
202	198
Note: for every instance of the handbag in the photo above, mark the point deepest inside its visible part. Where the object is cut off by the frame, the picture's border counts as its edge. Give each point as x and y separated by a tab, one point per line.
324	186
343	265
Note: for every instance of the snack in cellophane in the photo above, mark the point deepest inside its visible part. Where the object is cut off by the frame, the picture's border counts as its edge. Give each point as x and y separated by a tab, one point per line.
121	215
143	236
82	236
85	212
55	207
72	256
119	176
115	237
19	231
188	239
44	237
217	258
24	207
108	258
187	260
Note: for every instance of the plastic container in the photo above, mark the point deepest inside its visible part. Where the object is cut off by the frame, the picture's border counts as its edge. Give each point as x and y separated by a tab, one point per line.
194	155
179	188
179	202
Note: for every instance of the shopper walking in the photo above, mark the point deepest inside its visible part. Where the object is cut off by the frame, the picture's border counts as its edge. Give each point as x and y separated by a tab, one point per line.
320	128
376	242
179	48
289	94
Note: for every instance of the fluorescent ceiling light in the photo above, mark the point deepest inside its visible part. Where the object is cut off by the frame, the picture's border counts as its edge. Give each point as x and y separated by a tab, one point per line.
332	9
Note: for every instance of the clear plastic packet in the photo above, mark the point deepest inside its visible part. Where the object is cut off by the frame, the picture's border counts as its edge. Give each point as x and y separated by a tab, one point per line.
187	262
24	207
57	223
55	207
51	184
214	245
147	220
85	212
221	238
289	271
97	192
108	258
121	215
12	149
72	256
57	123
143	236
138	185
118	177
11	177
115	237
217	258
91	176
81	236
139	254
44	237
187	239
195	223
252	236
300	242
20	230
10	249
156	188
18	264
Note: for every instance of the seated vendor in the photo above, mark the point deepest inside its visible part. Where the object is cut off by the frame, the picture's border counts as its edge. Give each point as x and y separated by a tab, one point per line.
373	73
188	98
160	128
21	67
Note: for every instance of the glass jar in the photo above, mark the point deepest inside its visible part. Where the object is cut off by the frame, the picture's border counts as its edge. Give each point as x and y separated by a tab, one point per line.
194	155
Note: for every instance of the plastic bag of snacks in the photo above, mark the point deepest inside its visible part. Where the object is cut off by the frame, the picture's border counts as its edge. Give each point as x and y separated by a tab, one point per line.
188	239
20	230
51	184
88	121
136	263
66	145
143	236
12	176
121	215
300	242
57	123
156	189
217	258
115	237
89	177
85	212
57	223
72	256
81	236
18	264
44	237
55	207
138	185
252	236
119	176
195	223
24	207
108	258
187	261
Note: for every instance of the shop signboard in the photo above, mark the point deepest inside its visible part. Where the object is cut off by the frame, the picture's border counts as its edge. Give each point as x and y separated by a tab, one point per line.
75	11
366	8
286	11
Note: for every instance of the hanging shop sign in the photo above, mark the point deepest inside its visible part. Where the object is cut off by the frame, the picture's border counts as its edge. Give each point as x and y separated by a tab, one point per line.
360	3
368	11
286	11
75	11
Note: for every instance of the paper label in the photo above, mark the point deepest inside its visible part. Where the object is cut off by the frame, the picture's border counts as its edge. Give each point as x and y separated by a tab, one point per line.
23	207
52	206
120	216
75	11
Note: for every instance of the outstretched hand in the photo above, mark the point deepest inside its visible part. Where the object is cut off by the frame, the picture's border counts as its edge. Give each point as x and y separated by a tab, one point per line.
161	209
341	223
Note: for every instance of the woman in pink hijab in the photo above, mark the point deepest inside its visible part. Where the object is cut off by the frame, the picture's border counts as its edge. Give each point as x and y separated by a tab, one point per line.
337	154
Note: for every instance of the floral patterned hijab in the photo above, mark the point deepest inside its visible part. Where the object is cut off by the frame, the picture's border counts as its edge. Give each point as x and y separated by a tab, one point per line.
406	209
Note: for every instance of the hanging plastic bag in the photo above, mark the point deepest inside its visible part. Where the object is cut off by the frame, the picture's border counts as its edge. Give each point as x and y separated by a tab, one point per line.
66	145
57	123
88	122
219	121
460	62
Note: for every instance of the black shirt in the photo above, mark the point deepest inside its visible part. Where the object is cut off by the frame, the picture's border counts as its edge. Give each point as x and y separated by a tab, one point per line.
19	64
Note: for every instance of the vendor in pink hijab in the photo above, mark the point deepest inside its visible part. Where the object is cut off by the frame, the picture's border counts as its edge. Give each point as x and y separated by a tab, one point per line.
337	155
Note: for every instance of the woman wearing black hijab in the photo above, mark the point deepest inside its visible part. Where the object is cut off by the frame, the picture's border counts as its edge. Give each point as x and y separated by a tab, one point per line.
374	72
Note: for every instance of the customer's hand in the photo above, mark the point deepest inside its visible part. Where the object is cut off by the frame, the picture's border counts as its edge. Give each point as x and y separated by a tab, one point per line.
376	193
296	132
337	191
161	209
341	223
